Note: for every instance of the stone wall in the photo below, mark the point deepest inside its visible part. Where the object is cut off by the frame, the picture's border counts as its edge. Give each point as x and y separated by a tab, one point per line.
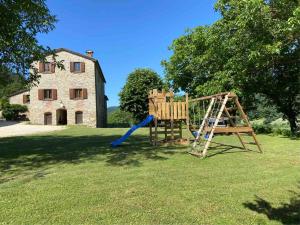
18	99
63	80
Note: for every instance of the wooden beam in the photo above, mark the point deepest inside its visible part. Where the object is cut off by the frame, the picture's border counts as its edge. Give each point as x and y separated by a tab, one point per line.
229	129
230	94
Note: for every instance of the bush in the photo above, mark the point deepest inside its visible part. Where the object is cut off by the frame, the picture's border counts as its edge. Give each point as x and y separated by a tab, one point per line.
14	111
276	127
119	118
3	103
262	128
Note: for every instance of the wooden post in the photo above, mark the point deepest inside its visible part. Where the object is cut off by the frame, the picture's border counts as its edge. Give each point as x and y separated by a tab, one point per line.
180	130
245	118
172	115
187	119
150	131
233	125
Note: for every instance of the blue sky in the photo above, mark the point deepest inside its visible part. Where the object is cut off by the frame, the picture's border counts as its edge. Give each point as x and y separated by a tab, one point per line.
124	34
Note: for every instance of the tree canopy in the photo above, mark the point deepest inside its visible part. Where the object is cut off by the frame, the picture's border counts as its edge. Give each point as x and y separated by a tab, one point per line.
252	48
21	21
134	95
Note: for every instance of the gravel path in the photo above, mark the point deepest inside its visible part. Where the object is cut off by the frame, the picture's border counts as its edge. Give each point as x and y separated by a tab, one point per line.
10	129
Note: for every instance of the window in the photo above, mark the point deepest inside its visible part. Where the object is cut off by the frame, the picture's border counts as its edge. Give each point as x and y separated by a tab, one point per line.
77	67
78	117
47	94
26	99
78	93
47	67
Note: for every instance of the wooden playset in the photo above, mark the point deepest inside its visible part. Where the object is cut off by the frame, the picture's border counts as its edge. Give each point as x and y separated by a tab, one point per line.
204	117
168	116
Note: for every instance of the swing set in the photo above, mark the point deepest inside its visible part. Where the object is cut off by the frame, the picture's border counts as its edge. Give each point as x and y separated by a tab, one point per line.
218	114
204	117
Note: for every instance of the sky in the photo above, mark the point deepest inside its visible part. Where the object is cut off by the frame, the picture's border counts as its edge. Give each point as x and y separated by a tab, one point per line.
124	34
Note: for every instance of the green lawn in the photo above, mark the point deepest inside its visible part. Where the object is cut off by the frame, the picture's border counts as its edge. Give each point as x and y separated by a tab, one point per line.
74	177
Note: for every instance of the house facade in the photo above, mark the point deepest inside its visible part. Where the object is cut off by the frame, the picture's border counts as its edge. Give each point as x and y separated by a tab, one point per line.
75	95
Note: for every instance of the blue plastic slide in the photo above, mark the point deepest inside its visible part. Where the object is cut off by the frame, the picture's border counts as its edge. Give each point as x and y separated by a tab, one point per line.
131	130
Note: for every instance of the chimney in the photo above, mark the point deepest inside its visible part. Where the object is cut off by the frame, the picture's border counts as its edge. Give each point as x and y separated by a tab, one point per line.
89	53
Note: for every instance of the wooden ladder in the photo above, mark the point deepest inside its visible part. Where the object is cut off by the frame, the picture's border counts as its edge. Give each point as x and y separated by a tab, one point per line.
211	134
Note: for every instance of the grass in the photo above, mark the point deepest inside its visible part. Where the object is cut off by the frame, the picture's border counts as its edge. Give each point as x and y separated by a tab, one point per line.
74	177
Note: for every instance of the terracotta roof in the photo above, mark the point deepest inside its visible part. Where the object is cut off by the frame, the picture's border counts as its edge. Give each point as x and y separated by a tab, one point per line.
83	56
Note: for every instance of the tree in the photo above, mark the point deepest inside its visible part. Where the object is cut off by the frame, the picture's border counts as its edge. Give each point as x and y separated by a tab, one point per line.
21	21
134	95
253	48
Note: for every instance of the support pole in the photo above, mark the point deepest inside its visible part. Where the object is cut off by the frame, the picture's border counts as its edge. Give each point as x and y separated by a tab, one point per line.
187	119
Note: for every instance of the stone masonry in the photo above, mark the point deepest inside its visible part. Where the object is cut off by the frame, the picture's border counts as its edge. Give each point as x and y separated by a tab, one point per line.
93	108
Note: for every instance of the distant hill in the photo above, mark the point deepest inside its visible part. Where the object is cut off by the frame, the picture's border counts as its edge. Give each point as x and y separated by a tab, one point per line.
112	109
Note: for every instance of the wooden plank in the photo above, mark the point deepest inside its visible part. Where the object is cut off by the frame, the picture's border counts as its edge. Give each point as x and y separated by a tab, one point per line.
163	110
231	94
179	111
167	112
183	110
159	110
229	129
168	132
175	110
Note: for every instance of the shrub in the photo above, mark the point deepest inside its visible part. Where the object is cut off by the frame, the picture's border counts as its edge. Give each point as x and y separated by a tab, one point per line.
14	111
119	118
3	103
262	128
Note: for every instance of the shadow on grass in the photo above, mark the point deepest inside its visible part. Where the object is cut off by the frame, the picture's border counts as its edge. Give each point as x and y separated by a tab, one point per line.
286	213
23	155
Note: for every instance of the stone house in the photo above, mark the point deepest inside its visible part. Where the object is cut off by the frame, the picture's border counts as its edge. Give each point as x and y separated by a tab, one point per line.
75	95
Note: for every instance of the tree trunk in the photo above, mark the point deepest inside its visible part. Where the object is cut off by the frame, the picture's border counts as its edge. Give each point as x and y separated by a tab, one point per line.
292	118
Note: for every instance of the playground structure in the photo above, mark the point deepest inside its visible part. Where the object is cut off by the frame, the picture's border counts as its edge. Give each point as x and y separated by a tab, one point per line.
204	117
216	114
169	116
221	114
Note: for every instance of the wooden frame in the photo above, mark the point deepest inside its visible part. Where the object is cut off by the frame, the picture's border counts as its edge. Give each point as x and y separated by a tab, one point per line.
224	98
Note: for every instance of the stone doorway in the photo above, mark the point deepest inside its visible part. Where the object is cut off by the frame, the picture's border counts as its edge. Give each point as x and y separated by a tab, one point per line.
61	117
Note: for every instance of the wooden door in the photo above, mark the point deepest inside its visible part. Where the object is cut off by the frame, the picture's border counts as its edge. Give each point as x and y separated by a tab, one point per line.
48	119
78	118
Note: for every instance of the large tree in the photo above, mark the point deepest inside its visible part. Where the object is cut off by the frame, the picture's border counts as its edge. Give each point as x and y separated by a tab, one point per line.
21	21
252	48
134	95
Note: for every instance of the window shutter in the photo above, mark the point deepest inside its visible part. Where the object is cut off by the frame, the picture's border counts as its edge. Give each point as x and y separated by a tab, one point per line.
54	94
72	67
72	93
41	67
52	67
41	94
82	67
84	91
24	99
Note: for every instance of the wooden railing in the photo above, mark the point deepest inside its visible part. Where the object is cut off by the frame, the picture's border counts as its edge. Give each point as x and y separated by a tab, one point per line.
168	110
